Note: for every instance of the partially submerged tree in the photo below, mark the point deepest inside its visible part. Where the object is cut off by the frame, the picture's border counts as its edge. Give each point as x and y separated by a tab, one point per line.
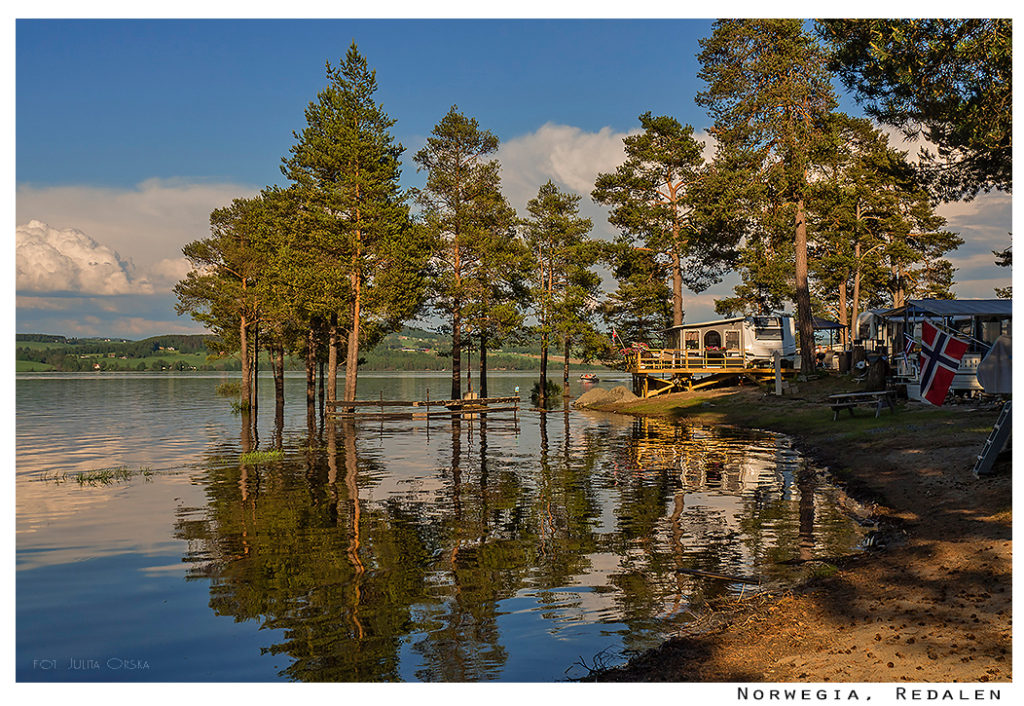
220	291
500	287
769	95
461	203
563	281
345	165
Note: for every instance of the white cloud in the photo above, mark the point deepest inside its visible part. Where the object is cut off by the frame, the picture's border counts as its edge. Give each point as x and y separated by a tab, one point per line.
567	155
169	271
67	260
148	223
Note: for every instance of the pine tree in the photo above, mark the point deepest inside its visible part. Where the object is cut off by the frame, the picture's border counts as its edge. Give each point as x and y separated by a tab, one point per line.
345	165
658	203
563	282
770	96
220	292
461	205
950	80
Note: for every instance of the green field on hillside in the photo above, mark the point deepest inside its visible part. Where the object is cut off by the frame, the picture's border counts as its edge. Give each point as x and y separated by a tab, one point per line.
407	350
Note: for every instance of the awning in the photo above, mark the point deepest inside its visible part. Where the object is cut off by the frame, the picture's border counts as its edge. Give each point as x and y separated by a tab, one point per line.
955	307
826	325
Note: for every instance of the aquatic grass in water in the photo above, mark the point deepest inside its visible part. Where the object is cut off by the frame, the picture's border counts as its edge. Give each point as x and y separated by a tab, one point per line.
102	476
253	457
229	389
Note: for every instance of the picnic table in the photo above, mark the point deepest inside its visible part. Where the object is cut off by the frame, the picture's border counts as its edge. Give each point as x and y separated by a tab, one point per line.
849	400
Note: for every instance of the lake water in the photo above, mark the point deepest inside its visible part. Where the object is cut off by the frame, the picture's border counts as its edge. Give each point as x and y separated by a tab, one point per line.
517	549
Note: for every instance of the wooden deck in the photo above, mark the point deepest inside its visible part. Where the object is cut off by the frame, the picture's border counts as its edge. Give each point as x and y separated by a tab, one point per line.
660	371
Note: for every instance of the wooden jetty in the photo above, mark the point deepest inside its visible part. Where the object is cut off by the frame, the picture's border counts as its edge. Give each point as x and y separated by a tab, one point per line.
660	371
423	409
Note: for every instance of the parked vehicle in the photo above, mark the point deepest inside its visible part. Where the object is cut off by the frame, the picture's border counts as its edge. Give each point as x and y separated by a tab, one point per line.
754	338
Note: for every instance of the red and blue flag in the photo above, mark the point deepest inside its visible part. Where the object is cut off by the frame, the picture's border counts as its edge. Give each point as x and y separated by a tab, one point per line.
939	360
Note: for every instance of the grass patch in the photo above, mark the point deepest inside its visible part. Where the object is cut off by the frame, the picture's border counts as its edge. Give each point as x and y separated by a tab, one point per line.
254	457
31	366
101	476
229	389
824	571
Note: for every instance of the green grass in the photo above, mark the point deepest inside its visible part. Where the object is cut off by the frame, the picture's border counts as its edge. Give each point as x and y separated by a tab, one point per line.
102	476
824	571
30	366
254	457
229	389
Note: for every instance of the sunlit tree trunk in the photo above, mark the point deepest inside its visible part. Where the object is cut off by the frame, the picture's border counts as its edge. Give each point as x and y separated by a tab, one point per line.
332	362
803	294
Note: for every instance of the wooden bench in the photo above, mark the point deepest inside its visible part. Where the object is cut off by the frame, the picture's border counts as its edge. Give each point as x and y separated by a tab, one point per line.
849	400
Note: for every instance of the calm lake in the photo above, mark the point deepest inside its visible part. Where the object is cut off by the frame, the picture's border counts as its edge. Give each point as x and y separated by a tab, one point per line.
527	549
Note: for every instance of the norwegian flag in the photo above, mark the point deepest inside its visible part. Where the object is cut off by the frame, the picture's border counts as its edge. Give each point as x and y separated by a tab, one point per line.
939	361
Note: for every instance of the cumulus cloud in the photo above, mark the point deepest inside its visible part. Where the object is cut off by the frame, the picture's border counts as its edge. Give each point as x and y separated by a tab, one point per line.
168	271
567	155
67	260
148	223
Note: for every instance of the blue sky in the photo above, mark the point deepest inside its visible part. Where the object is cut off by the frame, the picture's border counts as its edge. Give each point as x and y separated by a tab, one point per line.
128	133
118	102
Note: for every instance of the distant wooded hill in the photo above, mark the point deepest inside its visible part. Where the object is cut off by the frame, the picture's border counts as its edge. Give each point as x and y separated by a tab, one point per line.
409	349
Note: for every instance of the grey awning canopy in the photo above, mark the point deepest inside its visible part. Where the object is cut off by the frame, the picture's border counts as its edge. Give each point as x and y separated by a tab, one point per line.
826	325
955	307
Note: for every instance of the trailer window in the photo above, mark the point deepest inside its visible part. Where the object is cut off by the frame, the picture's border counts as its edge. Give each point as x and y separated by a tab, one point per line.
769	334
732	340
692	340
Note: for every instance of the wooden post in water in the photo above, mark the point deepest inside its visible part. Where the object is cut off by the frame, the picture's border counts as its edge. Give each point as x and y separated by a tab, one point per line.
428	412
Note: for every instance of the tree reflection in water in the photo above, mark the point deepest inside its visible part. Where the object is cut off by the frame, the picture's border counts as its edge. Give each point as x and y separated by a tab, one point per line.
372	570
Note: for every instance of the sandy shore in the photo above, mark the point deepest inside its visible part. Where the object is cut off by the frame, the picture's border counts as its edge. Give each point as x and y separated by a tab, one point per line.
931	605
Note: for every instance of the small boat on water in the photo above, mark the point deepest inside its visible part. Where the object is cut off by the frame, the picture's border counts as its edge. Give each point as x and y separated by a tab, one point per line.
588	377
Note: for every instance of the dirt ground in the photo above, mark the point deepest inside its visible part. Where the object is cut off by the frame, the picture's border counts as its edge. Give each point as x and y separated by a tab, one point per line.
932	604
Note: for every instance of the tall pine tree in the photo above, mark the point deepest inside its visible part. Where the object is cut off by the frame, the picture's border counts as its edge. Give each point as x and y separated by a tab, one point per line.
461	204
770	95
345	164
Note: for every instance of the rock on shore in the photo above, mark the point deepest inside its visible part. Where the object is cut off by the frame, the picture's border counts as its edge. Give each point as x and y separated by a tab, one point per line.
598	397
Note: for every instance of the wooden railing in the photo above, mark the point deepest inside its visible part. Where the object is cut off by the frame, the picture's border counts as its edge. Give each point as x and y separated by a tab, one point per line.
667	359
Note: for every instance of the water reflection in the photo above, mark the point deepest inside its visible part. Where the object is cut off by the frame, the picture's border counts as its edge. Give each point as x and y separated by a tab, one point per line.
480	550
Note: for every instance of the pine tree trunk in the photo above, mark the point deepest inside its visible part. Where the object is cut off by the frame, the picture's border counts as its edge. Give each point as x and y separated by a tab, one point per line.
803	294
565	370
352	357
311	374
457	353
469	364
483	364
246	369
844	315
320	386
677	291
332	362
255	371
856	294
277	363
542	393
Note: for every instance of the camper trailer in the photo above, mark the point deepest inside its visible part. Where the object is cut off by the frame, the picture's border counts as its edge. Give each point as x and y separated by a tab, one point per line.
752	338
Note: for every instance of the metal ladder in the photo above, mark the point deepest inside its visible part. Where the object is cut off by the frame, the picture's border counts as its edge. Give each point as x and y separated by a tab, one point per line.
995	443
